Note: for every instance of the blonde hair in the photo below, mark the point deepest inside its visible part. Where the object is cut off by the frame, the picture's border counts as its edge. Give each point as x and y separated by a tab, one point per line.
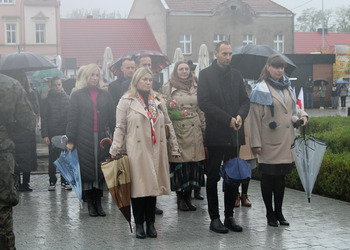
87	73
79	77
136	78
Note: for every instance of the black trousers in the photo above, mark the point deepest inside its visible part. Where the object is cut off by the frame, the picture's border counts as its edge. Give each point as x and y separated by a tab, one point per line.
217	155
54	153
143	209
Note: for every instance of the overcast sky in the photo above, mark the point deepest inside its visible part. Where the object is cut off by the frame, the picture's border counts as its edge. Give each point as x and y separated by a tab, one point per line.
123	6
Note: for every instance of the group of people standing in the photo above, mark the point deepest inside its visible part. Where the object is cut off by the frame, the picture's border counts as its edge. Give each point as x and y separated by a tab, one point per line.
167	153
336	91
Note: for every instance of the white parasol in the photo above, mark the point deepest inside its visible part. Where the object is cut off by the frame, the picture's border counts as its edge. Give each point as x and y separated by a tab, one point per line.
107	61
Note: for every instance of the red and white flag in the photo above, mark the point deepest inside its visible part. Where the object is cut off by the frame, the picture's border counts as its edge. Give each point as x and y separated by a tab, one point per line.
300	100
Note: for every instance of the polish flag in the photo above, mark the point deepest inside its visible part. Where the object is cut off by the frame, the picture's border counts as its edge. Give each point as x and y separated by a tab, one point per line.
300	100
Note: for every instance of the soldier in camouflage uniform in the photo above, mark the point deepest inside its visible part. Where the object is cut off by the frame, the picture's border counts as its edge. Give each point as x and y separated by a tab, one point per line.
16	115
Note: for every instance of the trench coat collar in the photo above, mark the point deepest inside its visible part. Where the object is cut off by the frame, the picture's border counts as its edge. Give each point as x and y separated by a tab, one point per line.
137	106
275	94
193	86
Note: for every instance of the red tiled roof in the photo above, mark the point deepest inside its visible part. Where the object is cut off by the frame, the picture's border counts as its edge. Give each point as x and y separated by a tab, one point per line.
266	6
86	39
308	42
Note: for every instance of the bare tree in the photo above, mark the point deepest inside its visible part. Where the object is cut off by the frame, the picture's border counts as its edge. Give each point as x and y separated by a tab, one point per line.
343	19
311	19
95	13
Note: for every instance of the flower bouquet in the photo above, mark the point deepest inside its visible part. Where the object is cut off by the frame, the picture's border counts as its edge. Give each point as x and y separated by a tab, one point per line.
174	110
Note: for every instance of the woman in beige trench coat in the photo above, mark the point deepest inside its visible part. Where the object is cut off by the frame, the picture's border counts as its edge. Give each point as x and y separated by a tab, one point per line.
273	111
140	131
186	172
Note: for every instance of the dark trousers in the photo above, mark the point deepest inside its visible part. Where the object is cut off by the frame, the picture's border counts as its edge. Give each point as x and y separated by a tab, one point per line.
309	100
143	209
54	153
26	177
272	185
343	101
217	155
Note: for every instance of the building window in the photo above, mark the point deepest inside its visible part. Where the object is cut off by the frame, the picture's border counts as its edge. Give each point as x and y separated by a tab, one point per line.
249	39
6	1
11	34
278	42
186	44
40	33
218	38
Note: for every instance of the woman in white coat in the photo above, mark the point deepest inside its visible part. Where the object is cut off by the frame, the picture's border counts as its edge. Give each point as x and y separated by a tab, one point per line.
273	111
140	132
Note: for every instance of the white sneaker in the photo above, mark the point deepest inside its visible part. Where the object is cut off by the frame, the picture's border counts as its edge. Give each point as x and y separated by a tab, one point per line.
68	187
52	187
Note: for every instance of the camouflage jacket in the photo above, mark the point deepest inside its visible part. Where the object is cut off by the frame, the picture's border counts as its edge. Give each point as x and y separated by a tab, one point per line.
16	113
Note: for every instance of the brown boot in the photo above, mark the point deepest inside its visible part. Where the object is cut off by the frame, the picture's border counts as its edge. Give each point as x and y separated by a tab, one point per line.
238	201
245	201
181	203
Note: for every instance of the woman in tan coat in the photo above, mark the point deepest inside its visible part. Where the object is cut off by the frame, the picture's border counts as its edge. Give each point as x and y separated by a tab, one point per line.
140	132
273	111
186	172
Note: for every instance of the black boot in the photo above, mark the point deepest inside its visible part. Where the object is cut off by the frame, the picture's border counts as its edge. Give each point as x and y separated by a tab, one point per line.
140	231
91	203
198	195
151	230
181	203
230	223
99	208
188	200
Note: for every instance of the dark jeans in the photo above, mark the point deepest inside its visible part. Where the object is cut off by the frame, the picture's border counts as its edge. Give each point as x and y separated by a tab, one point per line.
26	177
343	101
143	209
309	100
54	153
215	157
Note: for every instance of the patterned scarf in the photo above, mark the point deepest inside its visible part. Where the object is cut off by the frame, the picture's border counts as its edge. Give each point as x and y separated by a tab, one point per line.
152	112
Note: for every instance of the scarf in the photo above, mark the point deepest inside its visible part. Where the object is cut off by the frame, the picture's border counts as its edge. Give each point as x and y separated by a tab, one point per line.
152	112
178	83
262	95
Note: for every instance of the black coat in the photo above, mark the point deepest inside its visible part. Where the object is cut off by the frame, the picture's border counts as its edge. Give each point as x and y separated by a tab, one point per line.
221	96
80	127
117	88
54	113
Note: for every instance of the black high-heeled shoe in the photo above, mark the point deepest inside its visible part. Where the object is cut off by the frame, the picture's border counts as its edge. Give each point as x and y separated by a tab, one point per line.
282	220
271	220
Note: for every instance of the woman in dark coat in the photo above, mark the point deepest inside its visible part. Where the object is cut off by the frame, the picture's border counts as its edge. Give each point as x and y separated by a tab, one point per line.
90	116
25	154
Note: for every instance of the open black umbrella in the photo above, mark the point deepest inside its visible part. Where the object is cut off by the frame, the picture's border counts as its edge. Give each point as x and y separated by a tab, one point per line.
250	60
25	61
318	81
159	60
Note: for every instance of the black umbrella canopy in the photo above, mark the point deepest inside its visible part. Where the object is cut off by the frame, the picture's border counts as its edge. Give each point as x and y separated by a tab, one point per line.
250	60
159	60
25	61
318	81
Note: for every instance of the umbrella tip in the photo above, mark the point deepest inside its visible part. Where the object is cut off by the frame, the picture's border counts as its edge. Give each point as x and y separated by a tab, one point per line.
130	227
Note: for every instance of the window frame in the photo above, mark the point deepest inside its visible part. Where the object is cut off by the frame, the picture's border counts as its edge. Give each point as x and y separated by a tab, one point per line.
184	42
277	42
247	40
6	2
38	32
10	32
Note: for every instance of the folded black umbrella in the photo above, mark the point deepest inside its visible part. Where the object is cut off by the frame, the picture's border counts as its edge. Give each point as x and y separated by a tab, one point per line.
250	60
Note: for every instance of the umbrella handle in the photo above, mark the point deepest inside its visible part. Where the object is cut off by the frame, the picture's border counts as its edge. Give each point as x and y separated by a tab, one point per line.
103	140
